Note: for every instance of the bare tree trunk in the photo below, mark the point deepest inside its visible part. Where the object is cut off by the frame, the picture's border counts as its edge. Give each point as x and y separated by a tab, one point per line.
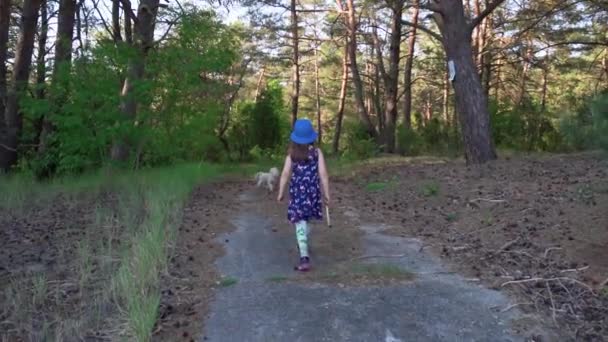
605	65
524	74
128	21
446	98
5	15
258	86
376	96
144	39
116	21
295	92
342	101
19	80
379	75
318	95
63	60
369	92
392	77
471	101
407	75
41	66
543	101
358	84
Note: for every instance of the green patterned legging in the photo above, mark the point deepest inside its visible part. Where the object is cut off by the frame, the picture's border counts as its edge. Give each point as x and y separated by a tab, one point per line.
302	237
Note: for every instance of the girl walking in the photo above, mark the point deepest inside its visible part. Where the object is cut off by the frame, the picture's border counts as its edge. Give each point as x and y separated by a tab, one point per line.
306	172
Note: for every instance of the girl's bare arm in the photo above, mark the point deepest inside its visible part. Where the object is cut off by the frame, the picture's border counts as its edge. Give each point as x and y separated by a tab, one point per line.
323	174
285	175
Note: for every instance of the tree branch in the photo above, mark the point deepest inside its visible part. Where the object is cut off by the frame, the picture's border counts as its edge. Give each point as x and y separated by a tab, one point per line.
423	29
430	7
489	9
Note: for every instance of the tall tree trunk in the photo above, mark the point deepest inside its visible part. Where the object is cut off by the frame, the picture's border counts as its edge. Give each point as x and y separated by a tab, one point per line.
342	100
5	15
446	98
527	61
128	21
369	91
358	84
605	65
116	21
543	101
78	24
63	60
19	79
379	75
478	36
392	77
318	95
471	102
295	91
258	87
144	39
41	66
407	75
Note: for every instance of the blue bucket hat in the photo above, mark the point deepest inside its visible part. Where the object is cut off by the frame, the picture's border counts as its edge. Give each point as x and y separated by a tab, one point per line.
303	132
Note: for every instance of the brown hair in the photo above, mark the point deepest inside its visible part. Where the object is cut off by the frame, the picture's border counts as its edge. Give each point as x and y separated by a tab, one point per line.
298	152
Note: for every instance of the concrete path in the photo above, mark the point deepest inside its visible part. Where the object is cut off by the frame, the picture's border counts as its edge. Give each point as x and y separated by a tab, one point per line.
435	306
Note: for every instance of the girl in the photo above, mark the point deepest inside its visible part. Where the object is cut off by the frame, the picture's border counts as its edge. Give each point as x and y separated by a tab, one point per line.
305	168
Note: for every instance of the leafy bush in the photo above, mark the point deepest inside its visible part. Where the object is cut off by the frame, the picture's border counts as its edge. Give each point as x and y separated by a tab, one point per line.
587	128
259	129
409	142
359	145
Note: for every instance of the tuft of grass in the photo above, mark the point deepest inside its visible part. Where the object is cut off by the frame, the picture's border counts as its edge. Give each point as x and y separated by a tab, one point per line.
430	189
386	271
373	187
85	263
451	217
277	279
39	290
228	281
586	194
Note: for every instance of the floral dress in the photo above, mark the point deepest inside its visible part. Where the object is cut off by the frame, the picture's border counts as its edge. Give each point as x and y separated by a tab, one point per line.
305	190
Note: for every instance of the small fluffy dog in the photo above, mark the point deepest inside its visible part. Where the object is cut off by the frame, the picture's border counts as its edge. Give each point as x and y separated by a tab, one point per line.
267	177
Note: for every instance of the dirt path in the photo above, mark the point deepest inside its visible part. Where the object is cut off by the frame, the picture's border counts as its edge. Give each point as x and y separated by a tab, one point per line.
390	291
498	227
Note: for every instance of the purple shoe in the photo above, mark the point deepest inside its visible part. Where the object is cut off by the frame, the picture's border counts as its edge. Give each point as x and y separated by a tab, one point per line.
304	264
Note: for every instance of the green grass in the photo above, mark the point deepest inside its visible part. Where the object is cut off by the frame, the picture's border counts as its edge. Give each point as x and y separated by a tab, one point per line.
39	290
451	217
387	271
277	279
228	281
430	189
144	218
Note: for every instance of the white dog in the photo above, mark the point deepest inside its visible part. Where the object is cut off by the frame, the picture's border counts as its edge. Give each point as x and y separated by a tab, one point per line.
267	177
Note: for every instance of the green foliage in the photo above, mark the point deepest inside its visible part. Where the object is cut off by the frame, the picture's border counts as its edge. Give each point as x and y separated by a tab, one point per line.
259	129
430	189
587	128
358	144
178	109
523	127
409	142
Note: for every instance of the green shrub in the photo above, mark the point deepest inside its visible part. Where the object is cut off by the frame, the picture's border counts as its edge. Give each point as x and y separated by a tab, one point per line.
409	142
358	144
587	128
259	130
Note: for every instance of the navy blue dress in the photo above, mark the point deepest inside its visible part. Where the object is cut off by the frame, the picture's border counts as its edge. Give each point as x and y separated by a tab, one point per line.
305	189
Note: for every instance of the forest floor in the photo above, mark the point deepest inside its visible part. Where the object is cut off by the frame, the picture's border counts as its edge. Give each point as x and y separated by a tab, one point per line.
533	228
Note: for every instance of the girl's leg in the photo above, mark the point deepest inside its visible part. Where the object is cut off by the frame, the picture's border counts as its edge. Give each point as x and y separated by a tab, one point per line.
302	238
